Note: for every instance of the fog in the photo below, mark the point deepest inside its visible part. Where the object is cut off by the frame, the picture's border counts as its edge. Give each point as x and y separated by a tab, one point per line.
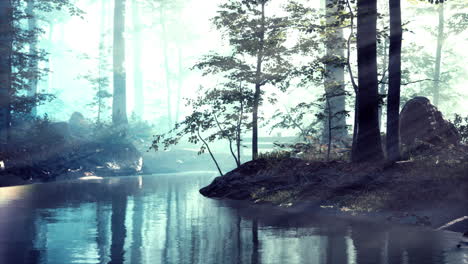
73	46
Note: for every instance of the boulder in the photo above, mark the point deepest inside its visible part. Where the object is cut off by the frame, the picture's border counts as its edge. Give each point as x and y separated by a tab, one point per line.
61	130
420	121
79	126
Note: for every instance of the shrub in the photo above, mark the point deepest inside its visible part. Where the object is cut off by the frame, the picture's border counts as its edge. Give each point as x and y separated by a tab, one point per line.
461	124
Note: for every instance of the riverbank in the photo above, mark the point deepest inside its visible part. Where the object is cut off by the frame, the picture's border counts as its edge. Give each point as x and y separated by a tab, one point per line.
428	189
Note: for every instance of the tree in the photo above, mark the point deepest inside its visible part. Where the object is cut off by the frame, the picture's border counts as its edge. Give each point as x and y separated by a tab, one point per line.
119	104
258	57
15	60
335	129
367	145
394	77
100	84
438	57
168	17
456	24
32	27
139	102
6	50
217	114
394	71
163	23
437	70
322	41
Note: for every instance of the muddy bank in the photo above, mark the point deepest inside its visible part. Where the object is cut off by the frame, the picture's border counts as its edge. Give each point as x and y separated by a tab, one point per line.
429	189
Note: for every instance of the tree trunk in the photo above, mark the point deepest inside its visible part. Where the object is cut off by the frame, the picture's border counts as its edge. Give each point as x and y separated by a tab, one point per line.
162	20
394	77
102	60
6	48
382	86
368	143
119	103
33	69
239	124
334	75
438	58
50	60
137	55
180	78
257	92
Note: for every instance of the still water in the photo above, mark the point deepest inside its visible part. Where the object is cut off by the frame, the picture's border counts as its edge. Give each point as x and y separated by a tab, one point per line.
163	219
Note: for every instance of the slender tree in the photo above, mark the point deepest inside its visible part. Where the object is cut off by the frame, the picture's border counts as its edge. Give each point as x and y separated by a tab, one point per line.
258	85
259	55
33	52
438	57
180	78
383	84
137	56
6	50
164	39
334	73
394	77
101	83
367	145
119	105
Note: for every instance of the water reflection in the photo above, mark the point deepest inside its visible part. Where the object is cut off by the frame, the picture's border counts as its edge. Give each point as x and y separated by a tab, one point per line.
163	219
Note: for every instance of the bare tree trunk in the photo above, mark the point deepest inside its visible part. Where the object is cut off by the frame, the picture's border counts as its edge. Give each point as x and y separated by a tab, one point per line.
394	76
258	75
33	69
6	49
119	104
139	100
438	58
368	143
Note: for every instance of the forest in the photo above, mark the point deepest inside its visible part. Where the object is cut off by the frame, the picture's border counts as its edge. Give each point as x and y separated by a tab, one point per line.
347	107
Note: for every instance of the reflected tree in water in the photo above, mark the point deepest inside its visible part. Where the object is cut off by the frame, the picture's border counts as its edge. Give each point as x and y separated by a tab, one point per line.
118	229
336	246
137	228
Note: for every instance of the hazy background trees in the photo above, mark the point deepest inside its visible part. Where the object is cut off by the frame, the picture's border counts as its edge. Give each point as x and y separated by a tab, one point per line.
66	54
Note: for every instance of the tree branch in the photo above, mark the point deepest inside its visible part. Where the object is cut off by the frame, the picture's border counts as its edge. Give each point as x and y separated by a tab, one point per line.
209	151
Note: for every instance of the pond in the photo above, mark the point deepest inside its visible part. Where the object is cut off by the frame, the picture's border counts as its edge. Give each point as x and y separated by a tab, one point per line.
163	219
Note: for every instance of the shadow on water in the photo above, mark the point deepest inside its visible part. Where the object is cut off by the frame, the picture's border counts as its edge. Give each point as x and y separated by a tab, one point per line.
163	219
